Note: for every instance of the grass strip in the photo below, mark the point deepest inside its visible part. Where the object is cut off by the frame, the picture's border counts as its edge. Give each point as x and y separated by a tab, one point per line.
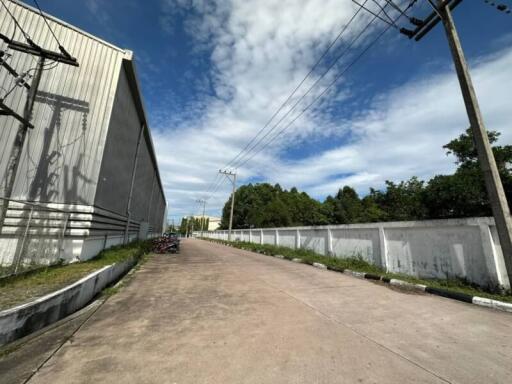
357	264
15	290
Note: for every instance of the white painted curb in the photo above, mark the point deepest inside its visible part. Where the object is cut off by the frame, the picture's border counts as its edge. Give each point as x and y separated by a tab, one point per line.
319	265
495	304
297	260
27	318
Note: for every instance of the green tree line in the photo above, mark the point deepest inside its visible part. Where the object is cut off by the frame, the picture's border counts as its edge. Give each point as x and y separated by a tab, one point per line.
461	194
191	224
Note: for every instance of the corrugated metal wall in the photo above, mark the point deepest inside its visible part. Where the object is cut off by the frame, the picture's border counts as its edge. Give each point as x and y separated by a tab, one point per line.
62	154
117	167
75	108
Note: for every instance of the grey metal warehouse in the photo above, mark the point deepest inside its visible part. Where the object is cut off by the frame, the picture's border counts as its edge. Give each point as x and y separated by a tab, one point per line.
87	177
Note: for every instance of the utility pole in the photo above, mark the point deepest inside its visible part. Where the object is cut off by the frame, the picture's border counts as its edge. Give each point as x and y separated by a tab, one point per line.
203	222
233	182
500	209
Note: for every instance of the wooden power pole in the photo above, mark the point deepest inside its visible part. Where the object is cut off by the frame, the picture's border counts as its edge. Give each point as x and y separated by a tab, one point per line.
442	11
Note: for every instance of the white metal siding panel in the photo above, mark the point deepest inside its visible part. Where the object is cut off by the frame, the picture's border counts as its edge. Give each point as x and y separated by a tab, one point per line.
62	154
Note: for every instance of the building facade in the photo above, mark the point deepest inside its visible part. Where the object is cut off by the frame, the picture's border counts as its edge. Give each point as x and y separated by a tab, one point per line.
87	176
213	221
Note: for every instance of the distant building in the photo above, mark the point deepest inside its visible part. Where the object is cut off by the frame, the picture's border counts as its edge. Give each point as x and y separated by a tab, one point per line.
90	156
213	222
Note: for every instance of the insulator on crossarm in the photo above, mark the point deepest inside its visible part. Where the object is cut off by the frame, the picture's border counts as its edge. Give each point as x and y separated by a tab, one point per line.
407	32
417	22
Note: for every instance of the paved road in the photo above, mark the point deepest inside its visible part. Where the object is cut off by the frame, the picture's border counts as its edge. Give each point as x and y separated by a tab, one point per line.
219	315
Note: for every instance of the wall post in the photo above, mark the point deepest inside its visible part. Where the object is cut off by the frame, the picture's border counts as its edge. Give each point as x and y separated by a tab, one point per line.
277	237
383	248
328	243
492	255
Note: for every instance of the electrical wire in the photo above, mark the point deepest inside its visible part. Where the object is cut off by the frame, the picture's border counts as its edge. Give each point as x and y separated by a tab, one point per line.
339	57
340	34
25	34
350	65
392	3
46	21
376	15
384	12
315	100
214	185
252	147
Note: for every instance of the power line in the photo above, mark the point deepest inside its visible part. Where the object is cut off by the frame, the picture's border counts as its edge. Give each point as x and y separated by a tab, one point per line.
298	86
249	147
61	48
25	34
343	53
392	3
350	65
46	22
357	58
384	12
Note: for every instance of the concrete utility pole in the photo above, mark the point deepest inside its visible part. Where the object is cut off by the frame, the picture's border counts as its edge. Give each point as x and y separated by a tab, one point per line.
494	186
203	222
233	181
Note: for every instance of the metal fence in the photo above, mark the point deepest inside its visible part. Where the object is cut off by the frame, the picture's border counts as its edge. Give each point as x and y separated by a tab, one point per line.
31	236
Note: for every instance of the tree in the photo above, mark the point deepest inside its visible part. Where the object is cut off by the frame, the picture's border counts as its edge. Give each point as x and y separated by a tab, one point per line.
345	208
464	194
183	226
402	201
265	205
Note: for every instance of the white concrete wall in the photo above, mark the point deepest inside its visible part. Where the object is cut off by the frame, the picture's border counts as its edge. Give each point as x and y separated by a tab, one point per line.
467	248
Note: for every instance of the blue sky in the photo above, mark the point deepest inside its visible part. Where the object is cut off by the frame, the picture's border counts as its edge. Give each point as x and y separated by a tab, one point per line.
213	72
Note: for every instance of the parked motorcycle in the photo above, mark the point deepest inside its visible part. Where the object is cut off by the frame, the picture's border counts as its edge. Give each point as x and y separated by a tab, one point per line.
169	243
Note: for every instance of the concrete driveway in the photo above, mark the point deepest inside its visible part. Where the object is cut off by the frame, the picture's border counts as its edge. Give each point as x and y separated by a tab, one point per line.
215	314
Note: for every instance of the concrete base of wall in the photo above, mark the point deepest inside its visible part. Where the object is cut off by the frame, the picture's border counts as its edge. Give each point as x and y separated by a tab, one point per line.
26	318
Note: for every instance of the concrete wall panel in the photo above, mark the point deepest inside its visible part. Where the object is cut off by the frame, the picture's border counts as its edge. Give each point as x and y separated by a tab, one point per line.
269	237
441	252
314	239
354	242
287	238
256	236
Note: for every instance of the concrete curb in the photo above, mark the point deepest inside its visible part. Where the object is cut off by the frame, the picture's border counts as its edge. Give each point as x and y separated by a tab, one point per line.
476	300
27	318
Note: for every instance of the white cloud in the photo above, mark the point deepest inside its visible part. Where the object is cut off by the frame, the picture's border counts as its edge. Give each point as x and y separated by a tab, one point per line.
400	135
